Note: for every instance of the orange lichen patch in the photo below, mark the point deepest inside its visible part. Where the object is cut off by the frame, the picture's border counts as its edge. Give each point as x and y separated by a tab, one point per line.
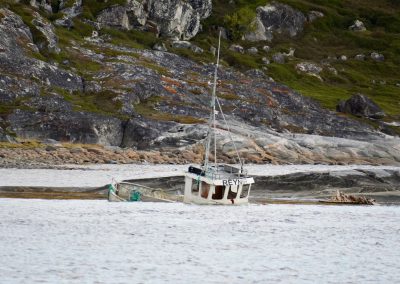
171	81
170	89
243	81
280	90
272	103
197	83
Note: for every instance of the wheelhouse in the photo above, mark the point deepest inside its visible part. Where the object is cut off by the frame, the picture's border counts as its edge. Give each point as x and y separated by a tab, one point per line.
218	185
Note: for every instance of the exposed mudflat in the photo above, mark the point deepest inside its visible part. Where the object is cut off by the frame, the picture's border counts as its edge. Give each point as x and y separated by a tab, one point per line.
290	182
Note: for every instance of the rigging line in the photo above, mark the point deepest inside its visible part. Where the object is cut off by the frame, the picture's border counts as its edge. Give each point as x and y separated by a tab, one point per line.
230	134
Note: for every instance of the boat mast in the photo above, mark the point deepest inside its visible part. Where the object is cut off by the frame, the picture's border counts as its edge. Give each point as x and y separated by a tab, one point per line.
212	123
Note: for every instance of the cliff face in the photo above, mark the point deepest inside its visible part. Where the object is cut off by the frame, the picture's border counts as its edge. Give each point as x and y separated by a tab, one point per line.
68	74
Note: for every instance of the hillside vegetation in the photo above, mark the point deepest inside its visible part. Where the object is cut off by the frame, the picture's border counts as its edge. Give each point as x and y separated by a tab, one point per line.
330	37
327	37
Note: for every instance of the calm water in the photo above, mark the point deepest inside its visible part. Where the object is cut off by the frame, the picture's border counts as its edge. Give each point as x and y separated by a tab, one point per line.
99	242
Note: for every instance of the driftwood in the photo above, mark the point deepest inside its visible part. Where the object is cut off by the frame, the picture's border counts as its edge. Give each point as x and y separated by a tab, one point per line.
345	198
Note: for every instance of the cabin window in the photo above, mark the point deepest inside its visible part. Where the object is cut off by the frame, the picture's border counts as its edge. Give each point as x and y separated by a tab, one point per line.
233	190
218	192
245	191
205	189
195	186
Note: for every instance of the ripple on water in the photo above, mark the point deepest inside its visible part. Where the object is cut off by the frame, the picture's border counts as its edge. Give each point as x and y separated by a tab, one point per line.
94	241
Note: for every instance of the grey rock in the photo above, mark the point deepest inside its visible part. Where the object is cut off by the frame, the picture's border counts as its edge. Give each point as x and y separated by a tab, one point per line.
67	126
309	68
279	18
73	10
360	105
266	48
259	33
47	29
359	57
236	48
252	50
181	44
343	58
256	73
265	60
142	133
332	70
69	13
358	26
45	5
160	47
114	16
213	50
314	15
186	45
269	121
377	57
16	40
202	7
290	53
278	58
196	49
176	19
64	22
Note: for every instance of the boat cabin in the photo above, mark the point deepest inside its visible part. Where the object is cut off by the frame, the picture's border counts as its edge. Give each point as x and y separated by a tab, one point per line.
221	184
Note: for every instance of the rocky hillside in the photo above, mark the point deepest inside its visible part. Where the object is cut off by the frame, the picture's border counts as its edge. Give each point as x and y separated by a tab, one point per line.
135	74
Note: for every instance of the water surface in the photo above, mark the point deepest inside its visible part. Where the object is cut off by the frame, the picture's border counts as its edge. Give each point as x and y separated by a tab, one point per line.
100	242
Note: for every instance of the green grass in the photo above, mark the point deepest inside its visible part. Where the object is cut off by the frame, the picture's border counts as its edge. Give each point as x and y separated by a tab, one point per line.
147	109
328	36
102	103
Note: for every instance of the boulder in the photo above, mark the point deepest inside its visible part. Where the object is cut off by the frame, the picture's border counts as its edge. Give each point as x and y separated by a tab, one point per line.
202	7
72	10
48	31
259	33
358	26
265	60
236	48
279	58
141	133
309	68
362	106
276	17
343	58
252	50
266	48
314	15
67	125
359	57
177	19
43	4
377	57
186	45
160	47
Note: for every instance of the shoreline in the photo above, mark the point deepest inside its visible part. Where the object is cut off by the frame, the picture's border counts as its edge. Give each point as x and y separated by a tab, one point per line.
294	184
